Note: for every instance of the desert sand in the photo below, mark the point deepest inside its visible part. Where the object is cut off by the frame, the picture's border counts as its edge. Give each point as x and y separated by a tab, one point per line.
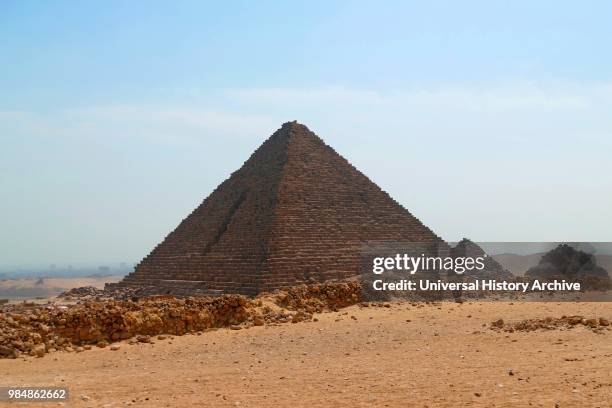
25	288
399	356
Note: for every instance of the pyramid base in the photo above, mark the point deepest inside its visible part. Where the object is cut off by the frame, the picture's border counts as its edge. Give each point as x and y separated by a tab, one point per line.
166	287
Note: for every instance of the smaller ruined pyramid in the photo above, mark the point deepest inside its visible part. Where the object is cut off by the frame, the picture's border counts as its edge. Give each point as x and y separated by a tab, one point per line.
492	268
567	262
295	212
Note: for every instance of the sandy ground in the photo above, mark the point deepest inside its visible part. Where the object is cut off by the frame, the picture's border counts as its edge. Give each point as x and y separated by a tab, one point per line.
403	356
19	289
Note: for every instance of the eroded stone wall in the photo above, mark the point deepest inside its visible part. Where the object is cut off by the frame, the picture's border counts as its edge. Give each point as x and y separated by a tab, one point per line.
37	330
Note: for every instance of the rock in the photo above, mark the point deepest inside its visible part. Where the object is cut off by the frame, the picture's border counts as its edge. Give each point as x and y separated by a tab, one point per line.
7	352
499	323
115	347
143	339
235	327
604	322
39	350
79	349
102	344
300	316
161	337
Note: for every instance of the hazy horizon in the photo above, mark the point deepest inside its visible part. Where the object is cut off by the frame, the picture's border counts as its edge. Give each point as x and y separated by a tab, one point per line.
118	119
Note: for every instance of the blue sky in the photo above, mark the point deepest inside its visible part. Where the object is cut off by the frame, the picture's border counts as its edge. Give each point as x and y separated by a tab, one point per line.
489	120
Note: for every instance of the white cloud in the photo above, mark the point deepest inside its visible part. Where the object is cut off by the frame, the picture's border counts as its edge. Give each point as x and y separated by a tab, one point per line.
515	96
167	124
251	112
198	118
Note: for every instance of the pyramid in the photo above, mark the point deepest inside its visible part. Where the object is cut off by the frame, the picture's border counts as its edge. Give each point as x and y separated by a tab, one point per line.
566	261
492	268
295	212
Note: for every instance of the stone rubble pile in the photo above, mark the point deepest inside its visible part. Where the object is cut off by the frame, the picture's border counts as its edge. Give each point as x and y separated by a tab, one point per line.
321	297
39	329
552	323
83	291
91	293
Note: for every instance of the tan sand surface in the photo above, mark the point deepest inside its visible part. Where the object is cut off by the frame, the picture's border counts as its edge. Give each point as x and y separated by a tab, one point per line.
46	287
402	356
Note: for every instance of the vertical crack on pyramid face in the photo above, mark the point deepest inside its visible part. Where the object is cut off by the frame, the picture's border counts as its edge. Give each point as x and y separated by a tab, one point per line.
295	211
226	222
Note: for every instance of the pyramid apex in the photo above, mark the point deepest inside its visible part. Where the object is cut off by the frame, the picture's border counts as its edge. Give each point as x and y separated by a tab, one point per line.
295	128
293	124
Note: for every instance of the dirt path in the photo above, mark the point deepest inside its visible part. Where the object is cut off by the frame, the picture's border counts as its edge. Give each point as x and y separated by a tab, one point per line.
358	357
